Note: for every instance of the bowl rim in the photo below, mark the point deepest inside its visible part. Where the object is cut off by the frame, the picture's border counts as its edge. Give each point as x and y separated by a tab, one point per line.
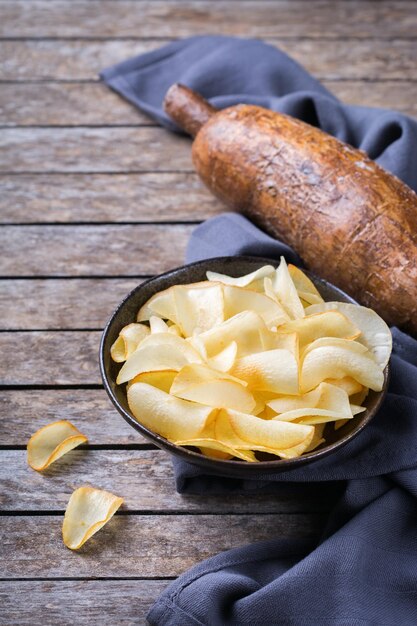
230	466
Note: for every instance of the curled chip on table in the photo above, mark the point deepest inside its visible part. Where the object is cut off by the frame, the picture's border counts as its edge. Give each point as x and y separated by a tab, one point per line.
87	511
258	363
51	442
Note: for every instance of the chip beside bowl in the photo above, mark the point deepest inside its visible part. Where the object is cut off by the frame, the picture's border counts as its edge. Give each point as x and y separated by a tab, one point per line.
232	266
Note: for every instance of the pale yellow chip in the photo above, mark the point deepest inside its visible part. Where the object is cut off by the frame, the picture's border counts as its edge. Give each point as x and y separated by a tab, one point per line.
88	510
346	344
196	373
268	433
266	414
375	334
269	291
305	287
174	329
308	298
158	325
259	405
199	307
337	361
357	409
224	360
219	394
238	299
203	385
326	403
272	370
217	446
320	325
285	403
130	337
359	397
161	379
161	351
244	329
295	451
198	344
162	304
284	288
282	341
211	453
51	442
167	415
349	384
246	432
242	281
318	438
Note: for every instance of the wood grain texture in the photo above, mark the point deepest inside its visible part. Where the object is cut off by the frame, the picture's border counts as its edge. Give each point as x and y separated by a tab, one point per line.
363	51
124	602
106	250
66	104
83	602
49	358
368	59
26	304
23	412
93	150
66	59
78	104
137	545
153	197
75	18
400	95
144	478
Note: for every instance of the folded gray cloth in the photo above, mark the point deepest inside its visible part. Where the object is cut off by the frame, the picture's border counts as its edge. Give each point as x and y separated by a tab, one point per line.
363	569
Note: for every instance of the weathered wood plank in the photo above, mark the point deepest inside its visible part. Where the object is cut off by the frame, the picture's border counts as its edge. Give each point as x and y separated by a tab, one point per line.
37	198
84	602
398	95
74	18
49	358
369	59
26	304
23	412
66	60
78	104
66	104
143	477
137	545
106	250
85	149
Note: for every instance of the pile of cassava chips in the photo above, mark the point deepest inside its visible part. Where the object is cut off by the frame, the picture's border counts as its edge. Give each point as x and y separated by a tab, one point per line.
259	363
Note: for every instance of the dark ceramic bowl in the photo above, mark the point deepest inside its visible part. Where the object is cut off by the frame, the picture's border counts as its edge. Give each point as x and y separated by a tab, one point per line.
233	266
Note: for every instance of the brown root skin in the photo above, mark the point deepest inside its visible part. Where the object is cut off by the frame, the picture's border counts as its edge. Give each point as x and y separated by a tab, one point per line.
187	109
351	222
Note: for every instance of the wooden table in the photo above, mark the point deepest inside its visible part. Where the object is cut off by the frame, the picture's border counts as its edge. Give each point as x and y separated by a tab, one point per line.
94	197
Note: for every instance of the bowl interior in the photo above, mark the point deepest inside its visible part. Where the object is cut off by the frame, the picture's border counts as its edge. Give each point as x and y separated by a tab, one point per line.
233	266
